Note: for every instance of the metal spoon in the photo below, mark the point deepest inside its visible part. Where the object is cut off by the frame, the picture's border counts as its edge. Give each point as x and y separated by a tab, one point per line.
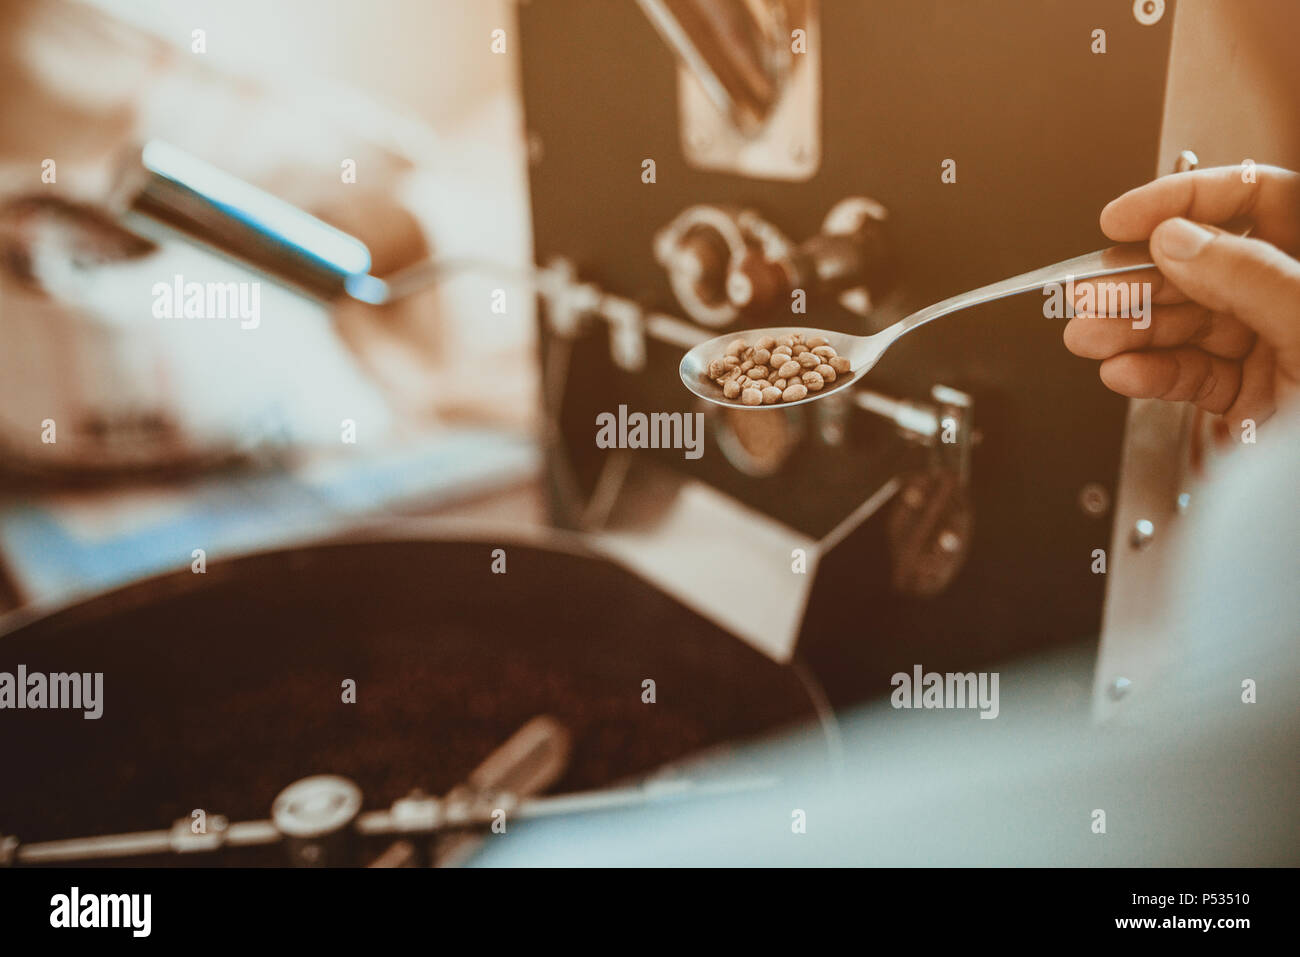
863	352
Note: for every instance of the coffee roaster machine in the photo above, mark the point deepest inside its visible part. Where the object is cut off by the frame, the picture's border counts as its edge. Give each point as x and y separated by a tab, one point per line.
696	166
871	157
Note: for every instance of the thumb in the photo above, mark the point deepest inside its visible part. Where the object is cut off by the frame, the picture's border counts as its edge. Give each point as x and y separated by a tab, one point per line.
1247	278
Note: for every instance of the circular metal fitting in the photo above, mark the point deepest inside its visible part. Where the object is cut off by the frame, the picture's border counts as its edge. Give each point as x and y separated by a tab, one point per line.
1148	12
1144	532
1094	499
315	815
315	806
755	445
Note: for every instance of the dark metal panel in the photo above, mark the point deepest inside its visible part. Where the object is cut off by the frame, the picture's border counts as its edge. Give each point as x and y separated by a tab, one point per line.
1044	133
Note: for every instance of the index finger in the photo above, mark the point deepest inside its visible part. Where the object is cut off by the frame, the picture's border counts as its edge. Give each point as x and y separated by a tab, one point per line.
1271	200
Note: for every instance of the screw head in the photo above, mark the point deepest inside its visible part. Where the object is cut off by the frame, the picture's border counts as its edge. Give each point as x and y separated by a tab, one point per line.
1094	499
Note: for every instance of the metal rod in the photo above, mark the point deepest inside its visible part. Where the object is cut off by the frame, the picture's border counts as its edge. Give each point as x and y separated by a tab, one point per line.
386	824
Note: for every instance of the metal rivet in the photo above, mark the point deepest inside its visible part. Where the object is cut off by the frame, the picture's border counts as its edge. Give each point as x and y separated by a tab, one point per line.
1143	533
1119	688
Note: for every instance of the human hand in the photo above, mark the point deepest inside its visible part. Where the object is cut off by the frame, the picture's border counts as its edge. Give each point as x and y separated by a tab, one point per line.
1225	322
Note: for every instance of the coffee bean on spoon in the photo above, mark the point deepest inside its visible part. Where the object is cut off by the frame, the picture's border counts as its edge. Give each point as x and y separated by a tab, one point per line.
776	370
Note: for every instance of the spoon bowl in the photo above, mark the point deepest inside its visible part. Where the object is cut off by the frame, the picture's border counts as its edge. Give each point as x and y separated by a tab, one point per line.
861	351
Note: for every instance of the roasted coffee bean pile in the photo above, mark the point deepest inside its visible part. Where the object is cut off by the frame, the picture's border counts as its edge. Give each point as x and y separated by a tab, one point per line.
441	684
777	370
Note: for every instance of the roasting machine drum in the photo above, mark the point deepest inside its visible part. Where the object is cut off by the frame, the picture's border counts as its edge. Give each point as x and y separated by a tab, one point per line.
221	689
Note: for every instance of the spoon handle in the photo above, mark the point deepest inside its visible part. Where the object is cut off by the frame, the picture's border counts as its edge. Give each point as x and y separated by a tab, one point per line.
1125	257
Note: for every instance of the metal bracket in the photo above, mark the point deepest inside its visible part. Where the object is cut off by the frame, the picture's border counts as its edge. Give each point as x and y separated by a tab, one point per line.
748	83
932	523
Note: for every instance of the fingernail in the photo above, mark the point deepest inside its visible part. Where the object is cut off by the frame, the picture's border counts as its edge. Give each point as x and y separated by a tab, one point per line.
1182	238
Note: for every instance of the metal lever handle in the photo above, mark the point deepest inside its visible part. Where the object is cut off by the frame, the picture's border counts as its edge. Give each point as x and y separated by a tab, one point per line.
165	189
